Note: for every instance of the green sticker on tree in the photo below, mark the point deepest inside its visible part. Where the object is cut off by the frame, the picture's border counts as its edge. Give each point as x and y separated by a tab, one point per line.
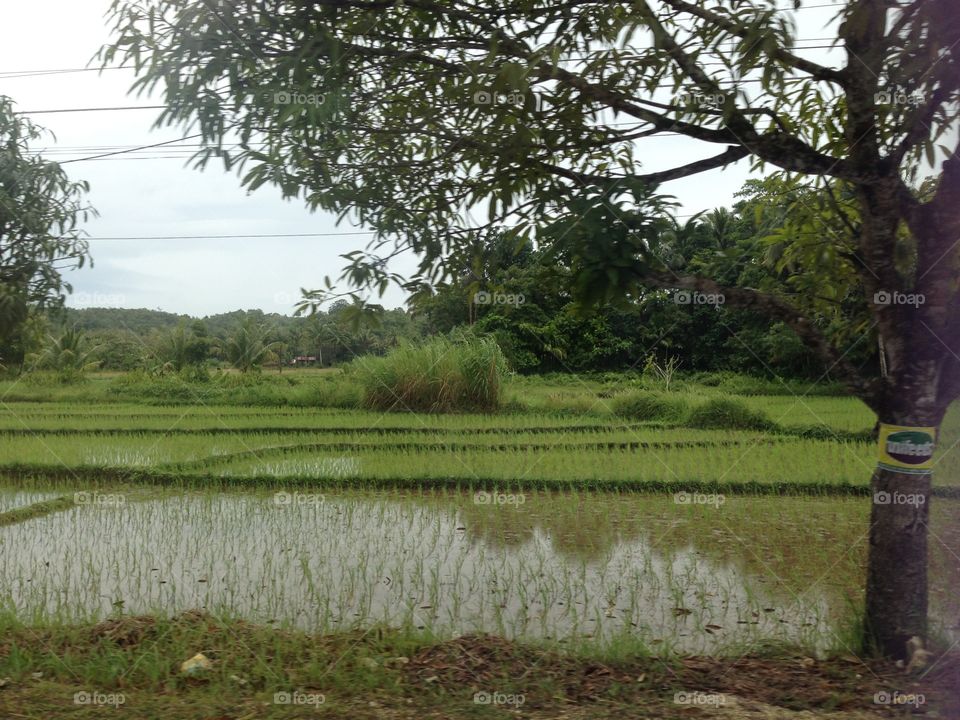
907	449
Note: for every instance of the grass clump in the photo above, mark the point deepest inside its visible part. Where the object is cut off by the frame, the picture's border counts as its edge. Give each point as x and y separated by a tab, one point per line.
728	414
646	405
40	378
441	375
38	509
197	386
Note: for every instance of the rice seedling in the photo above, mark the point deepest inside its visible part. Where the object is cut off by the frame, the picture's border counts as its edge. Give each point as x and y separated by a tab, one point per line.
435	564
661	543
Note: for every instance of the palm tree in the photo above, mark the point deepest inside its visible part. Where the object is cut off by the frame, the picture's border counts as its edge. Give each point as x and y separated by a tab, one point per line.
679	242
172	350
70	351
247	348
719	224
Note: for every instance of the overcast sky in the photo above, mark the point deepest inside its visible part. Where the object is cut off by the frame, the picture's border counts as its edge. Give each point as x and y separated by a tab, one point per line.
152	193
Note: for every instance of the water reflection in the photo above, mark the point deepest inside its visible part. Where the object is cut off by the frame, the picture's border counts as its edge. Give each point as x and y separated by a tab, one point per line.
562	567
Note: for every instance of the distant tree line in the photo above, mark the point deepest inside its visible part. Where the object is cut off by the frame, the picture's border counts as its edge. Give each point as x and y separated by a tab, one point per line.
128	339
524	298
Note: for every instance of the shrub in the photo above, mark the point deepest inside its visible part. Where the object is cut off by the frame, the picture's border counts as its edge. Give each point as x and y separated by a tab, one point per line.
710	379
64	376
439	375
644	405
567	404
252	388
195	373
728	414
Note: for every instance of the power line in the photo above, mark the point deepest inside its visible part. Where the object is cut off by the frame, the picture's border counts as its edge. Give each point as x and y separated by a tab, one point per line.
10	74
163	107
13	74
187	154
257	236
93	109
86	149
141	147
231	237
733	83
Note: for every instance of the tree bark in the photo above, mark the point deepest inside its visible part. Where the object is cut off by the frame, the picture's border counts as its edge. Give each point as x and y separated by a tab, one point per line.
896	597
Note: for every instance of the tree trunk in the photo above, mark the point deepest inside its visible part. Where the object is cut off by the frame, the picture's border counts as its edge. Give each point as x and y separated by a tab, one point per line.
896	593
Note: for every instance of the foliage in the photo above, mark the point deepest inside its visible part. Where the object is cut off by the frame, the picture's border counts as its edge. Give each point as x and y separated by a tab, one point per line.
179	348
247	348
728	414
134	338
68	352
440	375
195	384
645	405
534	111
40	208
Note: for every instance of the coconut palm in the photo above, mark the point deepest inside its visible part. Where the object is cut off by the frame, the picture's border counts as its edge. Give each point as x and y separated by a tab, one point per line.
70	351
680	241
719	225
172	349
247	347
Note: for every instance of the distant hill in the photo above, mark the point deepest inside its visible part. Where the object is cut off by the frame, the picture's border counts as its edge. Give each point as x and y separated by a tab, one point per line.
143	321
139	320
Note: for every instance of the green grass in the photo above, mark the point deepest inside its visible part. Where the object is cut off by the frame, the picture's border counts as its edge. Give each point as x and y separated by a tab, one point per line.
729	413
645	405
438	375
34	510
766	454
429	450
397	675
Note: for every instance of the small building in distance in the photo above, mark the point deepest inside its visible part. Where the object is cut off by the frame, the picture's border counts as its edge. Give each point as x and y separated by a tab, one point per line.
304	360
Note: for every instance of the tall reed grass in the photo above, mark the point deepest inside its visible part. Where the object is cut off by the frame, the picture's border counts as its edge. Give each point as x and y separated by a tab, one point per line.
441	375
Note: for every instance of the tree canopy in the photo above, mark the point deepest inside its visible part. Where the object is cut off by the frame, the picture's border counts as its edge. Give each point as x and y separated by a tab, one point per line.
414	115
40	208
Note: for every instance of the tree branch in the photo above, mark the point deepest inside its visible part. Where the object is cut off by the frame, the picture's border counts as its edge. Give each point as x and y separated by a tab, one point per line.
820	72
778	309
918	125
731	154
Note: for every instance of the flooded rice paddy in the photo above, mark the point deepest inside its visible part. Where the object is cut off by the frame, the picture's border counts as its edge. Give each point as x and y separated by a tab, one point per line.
694	574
